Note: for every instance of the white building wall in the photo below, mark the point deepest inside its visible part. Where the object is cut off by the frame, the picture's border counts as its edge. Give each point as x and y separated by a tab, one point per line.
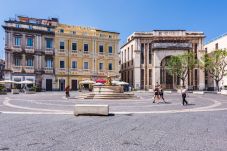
210	47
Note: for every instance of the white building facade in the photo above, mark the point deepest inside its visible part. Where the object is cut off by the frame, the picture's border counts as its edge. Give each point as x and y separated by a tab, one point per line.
143	58
218	43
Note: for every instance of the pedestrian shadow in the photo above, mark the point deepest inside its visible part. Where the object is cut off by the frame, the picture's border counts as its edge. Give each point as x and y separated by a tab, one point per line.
164	103
190	104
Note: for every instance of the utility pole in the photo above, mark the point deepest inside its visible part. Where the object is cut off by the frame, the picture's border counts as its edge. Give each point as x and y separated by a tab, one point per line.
68	64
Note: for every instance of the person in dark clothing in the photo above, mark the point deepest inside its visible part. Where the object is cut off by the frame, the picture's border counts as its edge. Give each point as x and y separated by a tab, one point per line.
67	91
184	95
161	93
156	93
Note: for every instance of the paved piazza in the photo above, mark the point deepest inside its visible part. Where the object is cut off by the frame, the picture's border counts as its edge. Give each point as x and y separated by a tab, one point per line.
45	121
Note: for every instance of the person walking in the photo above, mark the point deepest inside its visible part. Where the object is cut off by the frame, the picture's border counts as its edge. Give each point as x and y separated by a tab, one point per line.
184	95
161	93
156	93
67	92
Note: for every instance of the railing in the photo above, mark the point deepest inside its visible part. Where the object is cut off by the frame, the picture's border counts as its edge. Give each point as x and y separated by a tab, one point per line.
29	69
17	68
49	51
29	49
17	48
48	70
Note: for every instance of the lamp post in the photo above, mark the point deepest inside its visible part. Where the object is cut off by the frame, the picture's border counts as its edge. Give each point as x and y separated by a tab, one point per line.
68	65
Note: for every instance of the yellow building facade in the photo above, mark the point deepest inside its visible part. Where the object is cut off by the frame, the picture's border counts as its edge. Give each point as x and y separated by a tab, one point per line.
83	53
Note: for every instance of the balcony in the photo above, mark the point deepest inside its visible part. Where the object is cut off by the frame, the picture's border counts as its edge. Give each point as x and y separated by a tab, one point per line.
29	49
172	46
48	70
17	49
28	69
49	51
17	68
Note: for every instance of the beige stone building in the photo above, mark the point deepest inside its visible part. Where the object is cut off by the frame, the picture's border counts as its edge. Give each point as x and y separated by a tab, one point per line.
218	43
143	58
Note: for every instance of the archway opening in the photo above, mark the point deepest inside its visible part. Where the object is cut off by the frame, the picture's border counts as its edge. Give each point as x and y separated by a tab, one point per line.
167	80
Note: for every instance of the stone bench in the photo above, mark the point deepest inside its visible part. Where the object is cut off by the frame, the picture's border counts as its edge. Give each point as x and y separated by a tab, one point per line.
91	109
198	92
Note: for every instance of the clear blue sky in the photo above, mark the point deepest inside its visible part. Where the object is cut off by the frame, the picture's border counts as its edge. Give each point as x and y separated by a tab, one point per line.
125	16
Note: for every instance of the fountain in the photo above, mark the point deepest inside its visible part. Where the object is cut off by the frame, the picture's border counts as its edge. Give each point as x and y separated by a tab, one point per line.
108	91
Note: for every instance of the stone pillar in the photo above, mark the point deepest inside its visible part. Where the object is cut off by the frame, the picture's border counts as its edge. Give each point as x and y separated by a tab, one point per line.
145	66
155	70
136	76
23	62
201	73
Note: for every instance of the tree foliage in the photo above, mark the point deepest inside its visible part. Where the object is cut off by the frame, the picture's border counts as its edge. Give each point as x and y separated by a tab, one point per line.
215	64
180	65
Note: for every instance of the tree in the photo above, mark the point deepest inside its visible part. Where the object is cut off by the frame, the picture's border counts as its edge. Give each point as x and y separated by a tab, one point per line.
180	65
215	64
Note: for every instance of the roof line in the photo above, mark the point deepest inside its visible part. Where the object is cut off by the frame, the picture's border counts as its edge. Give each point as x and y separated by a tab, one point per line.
219	37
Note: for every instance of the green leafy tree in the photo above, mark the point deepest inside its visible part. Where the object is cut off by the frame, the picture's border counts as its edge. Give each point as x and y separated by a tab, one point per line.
180	65
215	64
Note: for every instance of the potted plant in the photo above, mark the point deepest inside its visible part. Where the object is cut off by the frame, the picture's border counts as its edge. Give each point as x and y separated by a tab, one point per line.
32	90
2	90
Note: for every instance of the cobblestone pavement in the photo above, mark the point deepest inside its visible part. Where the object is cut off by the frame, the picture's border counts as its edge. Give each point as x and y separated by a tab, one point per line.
44	121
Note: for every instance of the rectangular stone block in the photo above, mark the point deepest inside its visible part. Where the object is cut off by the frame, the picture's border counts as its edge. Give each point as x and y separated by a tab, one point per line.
224	92
198	92
91	109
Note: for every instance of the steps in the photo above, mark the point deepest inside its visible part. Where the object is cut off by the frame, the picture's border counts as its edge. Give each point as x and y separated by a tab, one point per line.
107	96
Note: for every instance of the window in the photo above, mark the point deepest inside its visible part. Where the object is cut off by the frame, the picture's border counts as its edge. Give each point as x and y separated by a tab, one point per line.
49	29
61	30
85	47
150	55
74	64
62	45
17	41
110	36
29	62
17	61
17	26
74	46
85	65
110	66
49	43
216	46
110	49
132	54
62	64
100	66
29	27
29	42
142	54
100	48
196	49
49	63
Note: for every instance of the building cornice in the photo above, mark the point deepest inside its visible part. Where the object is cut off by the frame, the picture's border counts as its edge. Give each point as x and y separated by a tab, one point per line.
28	30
